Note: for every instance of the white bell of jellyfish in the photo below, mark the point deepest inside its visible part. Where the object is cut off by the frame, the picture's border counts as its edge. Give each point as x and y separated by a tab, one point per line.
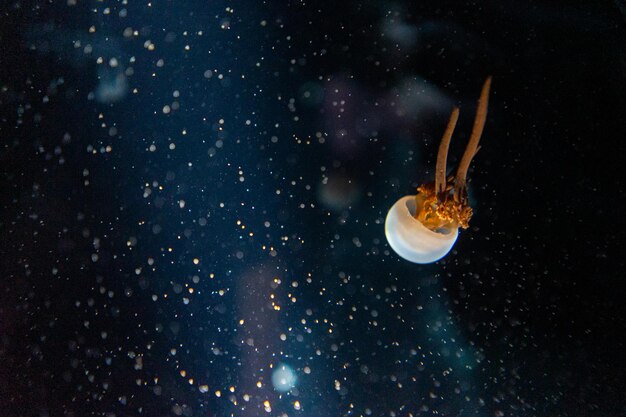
423	228
413	241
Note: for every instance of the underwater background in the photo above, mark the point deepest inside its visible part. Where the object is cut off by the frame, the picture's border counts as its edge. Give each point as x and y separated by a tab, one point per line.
193	195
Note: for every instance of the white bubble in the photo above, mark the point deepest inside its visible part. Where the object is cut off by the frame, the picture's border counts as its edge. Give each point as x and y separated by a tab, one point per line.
283	378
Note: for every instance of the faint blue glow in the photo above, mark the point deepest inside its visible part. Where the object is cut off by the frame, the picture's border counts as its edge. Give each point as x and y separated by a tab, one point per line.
112	85
283	378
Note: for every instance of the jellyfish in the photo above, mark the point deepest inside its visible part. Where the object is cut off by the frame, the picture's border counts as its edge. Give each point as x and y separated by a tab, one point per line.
423	228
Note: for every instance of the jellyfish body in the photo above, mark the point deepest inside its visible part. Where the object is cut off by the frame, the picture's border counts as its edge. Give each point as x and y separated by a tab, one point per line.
424	227
413	241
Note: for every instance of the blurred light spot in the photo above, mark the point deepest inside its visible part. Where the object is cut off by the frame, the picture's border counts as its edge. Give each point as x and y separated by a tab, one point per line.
283	378
112	86
338	192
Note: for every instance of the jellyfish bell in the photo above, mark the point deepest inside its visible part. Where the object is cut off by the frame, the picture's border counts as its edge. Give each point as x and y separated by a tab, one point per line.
413	241
424	227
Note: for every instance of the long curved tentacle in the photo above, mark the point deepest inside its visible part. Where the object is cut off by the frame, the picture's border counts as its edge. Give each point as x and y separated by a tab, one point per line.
460	182
442	155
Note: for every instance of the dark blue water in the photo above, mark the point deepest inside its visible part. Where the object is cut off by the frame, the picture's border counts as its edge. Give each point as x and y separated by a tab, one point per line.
193	197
